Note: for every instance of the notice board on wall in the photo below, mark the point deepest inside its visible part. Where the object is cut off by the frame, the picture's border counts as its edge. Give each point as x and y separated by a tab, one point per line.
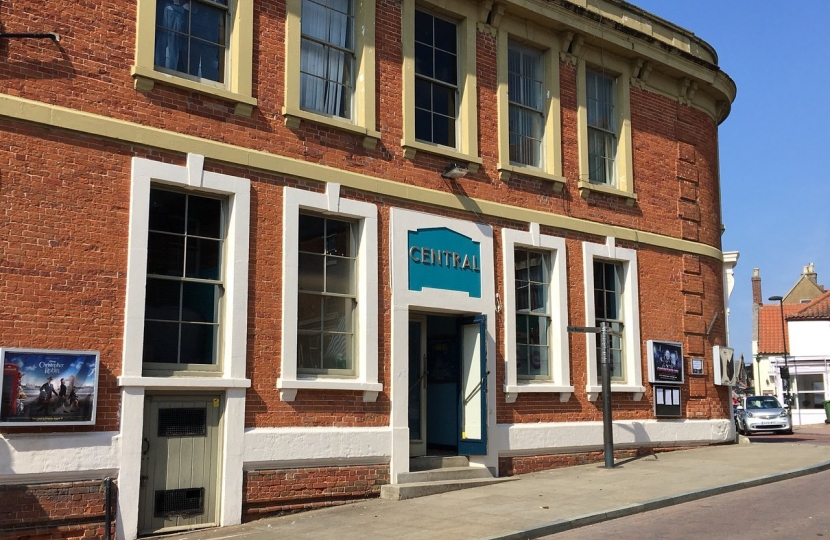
667	401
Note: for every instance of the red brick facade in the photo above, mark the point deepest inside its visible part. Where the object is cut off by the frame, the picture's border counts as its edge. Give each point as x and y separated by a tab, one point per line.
57	510
64	227
293	490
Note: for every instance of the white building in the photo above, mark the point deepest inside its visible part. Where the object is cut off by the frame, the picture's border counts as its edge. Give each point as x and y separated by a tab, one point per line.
794	333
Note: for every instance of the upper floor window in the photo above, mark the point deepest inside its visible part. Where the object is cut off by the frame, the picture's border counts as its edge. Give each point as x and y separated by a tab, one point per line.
608	287
525	94
191	37
184	285
330	66
203	46
602	127
327	295
327	63
436	79
606	162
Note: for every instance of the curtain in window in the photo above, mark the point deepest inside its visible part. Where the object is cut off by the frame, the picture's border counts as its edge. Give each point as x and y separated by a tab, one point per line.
525	112
602	128
173	18
326	57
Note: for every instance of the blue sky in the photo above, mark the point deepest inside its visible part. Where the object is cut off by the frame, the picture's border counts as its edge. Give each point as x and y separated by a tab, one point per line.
775	206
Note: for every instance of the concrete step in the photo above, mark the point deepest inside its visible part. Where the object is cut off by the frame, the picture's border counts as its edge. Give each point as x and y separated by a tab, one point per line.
444	475
423	463
400	492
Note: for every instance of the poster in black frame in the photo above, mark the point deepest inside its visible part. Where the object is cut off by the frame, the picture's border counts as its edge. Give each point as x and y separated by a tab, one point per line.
665	362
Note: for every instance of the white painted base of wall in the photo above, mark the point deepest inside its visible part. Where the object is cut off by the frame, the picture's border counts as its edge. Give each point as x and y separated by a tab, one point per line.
280	448
808	417
571	437
59	457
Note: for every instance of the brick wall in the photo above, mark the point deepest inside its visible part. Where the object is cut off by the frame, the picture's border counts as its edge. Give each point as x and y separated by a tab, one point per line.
675	146
291	490
57	510
510	466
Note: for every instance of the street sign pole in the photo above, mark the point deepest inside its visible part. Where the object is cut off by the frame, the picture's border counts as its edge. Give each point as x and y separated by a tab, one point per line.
605	333
607	427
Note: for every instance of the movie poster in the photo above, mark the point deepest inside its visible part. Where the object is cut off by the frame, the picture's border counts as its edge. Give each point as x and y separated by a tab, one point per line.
48	387
665	362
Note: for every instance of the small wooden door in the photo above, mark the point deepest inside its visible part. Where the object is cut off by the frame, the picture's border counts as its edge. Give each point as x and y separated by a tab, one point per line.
180	463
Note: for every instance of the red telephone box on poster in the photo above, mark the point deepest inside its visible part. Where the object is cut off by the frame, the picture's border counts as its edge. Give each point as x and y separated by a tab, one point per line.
11	385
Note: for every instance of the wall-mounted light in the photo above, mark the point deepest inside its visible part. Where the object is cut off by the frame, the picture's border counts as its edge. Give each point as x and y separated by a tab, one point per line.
453	171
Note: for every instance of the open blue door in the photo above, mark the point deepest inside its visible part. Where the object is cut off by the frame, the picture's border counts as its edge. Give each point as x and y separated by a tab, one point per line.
472	435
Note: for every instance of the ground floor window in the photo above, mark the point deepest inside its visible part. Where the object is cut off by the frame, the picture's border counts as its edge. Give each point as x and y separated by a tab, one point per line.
808	391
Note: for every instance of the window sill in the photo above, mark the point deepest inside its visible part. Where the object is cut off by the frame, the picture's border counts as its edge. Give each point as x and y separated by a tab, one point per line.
507	171
586	188
145	80
288	388
293	118
411	148
183	382
637	391
512	391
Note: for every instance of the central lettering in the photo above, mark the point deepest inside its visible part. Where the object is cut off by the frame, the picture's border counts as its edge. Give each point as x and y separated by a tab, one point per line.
449	259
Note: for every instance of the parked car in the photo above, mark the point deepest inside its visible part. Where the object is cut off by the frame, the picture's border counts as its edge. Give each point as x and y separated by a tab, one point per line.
763	413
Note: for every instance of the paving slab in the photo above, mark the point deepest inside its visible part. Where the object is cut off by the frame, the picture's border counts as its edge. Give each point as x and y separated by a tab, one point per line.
550	501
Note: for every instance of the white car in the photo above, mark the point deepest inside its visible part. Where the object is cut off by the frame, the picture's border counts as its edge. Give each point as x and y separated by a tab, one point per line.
763	413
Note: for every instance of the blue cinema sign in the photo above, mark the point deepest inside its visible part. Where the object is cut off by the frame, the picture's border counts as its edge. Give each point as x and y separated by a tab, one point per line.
440	258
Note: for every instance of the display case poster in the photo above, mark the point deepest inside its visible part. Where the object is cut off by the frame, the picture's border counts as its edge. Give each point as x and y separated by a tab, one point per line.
48	387
726	365
665	362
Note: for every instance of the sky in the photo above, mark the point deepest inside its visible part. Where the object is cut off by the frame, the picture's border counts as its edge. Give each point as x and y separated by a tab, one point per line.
775	207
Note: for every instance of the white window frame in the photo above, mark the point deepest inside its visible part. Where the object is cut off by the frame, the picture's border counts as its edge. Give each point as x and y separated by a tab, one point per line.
366	326
233	318
558	357
631	358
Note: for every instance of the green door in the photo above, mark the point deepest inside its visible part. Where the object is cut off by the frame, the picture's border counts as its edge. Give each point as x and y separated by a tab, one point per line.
180	463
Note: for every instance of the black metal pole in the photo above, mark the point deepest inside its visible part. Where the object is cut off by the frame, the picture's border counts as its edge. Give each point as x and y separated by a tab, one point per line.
607	425
107	510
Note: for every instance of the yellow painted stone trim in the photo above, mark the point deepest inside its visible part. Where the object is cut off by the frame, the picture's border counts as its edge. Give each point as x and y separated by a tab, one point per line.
719	88
548	43
363	100
624	158
238	86
465	14
100	126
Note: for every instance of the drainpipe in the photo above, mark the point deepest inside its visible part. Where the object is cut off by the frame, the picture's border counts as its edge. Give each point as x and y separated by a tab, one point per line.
108	507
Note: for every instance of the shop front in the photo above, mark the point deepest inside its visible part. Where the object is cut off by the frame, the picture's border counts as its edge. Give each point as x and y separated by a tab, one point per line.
443	349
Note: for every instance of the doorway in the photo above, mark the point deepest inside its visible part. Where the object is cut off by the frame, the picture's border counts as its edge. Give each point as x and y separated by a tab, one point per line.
447	399
179	463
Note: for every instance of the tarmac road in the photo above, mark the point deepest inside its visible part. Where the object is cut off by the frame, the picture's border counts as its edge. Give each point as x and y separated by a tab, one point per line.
795	509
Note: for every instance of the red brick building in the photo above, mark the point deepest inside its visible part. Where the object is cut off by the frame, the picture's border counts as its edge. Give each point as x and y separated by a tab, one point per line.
300	243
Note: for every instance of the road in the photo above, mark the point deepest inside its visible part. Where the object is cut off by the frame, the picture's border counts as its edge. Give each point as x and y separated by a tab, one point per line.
792	509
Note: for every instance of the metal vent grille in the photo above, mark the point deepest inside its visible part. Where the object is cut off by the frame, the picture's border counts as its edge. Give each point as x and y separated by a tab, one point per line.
183	422
180	502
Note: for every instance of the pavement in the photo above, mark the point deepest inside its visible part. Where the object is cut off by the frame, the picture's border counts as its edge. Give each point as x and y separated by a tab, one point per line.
548	502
